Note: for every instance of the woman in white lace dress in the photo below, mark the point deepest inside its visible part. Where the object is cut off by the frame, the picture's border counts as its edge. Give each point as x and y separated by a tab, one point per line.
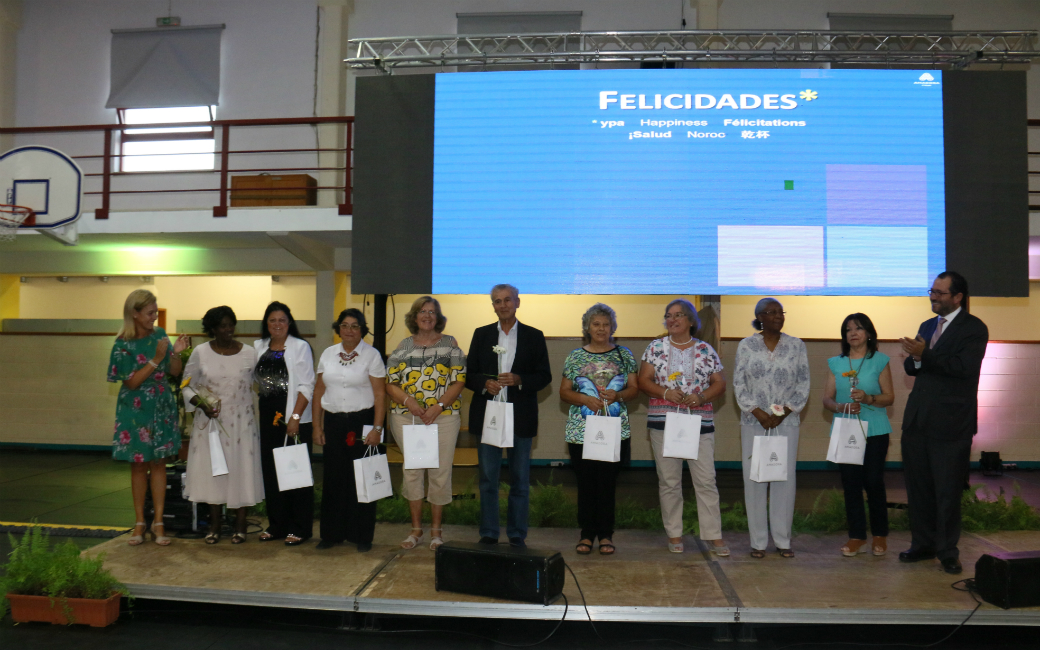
772	369
223	369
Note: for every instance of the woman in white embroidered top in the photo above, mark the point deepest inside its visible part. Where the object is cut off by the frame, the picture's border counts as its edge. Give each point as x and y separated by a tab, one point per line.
284	375
683	374
772	370
348	395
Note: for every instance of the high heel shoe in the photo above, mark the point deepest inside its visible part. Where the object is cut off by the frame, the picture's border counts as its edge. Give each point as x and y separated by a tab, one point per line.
161	540
137	540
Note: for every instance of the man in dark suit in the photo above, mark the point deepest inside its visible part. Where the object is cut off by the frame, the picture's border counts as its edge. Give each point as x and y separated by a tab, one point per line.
524	371
940	419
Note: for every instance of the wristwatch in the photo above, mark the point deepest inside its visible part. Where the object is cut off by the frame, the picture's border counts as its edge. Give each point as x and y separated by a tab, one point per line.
443	407
294	416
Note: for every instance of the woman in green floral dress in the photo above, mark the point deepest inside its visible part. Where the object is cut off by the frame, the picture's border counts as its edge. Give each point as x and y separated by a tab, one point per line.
147	428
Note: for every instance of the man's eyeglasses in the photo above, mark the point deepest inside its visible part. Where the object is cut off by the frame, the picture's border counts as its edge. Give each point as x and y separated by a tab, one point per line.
933	292
349	326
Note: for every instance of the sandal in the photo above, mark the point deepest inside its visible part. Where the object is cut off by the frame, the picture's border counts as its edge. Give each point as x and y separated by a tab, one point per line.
606	547
161	540
267	536
137	540
854	547
238	538
675	547
584	547
757	554
213	537
785	552
721	551
435	538
880	545
412	541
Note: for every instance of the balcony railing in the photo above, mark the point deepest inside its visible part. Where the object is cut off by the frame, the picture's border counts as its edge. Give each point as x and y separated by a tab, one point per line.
272	146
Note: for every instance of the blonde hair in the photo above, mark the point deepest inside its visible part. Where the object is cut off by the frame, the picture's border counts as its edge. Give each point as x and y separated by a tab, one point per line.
136	301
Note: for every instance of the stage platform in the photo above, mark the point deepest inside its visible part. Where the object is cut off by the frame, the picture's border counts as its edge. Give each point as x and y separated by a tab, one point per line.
642	582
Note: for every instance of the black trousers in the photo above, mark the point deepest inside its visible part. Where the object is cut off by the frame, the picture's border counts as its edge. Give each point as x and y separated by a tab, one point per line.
935	474
342	517
292	511
869	476
597	489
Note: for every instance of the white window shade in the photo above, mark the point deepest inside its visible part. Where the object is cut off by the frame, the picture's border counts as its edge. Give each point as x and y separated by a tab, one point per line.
171	66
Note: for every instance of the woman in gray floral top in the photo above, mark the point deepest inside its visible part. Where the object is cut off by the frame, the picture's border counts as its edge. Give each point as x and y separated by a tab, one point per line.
772	369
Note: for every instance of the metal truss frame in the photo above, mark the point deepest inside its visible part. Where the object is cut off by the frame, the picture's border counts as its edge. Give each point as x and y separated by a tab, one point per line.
949	49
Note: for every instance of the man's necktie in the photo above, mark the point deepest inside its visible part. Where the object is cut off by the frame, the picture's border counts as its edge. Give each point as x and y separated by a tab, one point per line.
938	332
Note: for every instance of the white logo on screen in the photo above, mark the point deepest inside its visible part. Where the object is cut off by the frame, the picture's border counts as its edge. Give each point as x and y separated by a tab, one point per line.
926	79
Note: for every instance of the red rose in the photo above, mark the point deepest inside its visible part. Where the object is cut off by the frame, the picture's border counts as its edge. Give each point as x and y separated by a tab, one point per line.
351	438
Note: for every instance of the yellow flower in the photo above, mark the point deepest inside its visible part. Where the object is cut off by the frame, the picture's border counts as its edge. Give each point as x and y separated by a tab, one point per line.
675	375
277	416
187	380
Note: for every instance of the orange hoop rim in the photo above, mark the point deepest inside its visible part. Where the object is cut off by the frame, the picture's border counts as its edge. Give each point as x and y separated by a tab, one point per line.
13	216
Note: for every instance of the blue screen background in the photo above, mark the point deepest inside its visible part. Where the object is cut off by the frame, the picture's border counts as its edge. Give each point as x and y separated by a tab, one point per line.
531	187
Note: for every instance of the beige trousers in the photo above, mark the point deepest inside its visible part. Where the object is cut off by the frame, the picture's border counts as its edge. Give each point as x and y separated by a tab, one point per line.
669	486
439	492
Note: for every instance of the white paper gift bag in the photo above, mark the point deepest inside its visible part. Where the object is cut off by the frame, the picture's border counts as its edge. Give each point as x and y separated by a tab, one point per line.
769	458
602	439
848	440
498	424
372	476
217	461
292	465
682	435
419	446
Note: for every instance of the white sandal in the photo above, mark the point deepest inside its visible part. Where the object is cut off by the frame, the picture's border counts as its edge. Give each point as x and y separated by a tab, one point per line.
412	541
137	540
675	547
161	540
435	540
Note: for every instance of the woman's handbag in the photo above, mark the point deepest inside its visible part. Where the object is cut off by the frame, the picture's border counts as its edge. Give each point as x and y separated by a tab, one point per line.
602	438
292	466
682	435
217	461
419	445
498	424
372	476
848	439
769	458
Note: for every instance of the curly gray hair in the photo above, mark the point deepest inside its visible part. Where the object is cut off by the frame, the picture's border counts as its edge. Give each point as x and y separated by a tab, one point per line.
599	309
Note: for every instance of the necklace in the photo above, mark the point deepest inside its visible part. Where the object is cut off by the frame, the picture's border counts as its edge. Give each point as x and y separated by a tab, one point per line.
674	342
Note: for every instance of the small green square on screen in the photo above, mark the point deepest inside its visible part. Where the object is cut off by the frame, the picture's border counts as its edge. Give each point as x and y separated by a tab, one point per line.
788	185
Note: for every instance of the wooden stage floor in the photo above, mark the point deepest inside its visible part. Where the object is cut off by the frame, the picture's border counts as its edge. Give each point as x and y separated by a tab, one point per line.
642	582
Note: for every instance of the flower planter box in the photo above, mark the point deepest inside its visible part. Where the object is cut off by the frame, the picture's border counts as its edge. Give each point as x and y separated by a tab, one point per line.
43	609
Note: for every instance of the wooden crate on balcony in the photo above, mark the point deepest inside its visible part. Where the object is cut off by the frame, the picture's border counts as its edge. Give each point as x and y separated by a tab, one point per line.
273	190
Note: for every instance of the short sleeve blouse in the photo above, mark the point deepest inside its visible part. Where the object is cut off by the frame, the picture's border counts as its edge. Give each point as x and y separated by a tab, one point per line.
425	372
589	370
346	377
695	365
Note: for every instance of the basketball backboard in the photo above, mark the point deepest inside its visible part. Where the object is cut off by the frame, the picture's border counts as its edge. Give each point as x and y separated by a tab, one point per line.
49	182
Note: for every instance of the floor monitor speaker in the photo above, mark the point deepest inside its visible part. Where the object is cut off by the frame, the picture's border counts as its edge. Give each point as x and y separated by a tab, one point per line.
1009	579
499	571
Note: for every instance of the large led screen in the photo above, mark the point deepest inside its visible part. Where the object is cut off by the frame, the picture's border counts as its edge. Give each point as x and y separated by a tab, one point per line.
825	182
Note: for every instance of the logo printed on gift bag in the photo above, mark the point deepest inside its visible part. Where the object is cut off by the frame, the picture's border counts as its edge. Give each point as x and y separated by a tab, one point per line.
681	434
419	444
492	423
378	476
293	466
852	440
773	458
600	436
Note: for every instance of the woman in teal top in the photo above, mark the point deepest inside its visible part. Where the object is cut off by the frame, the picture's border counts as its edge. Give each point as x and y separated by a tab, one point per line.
860	385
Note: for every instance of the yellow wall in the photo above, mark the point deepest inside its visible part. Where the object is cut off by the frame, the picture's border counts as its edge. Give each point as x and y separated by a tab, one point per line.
183	297
10	305
818	317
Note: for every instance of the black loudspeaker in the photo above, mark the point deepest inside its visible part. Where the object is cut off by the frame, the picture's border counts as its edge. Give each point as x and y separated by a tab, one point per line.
1009	579
523	574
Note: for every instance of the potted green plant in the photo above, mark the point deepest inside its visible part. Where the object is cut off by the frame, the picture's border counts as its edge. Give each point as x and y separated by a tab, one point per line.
56	584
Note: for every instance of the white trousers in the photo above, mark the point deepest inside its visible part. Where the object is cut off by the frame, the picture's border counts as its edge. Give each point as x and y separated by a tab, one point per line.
669	487
778	494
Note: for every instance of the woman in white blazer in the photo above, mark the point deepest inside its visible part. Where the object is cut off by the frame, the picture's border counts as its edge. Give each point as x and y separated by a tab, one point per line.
285	376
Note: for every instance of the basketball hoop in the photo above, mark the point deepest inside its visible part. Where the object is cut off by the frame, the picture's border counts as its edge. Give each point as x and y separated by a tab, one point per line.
12	216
